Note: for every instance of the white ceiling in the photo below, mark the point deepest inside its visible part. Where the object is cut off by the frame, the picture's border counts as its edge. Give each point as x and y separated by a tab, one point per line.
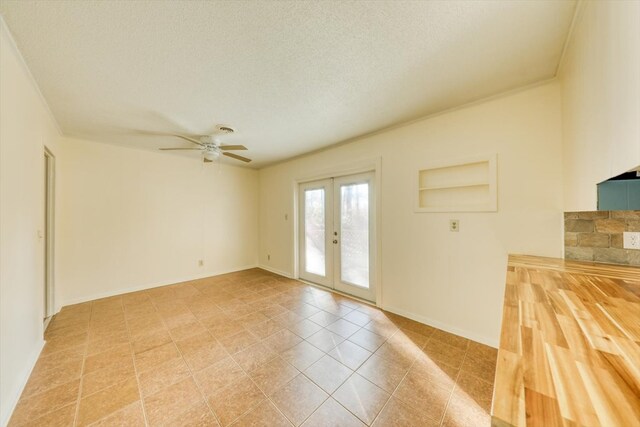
291	76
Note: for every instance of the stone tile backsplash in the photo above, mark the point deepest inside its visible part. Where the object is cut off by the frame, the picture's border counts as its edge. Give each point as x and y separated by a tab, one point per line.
597	236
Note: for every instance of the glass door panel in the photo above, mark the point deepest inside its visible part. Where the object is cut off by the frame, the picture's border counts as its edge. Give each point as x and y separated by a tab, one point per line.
314	231
355	232
354	224
316	223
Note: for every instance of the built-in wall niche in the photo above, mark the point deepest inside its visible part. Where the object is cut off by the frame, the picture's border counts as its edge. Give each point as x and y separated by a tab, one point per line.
464	185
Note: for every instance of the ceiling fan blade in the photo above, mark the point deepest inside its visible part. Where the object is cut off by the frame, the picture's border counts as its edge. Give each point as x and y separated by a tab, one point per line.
204	159
195	141
233	147
171	149
235	156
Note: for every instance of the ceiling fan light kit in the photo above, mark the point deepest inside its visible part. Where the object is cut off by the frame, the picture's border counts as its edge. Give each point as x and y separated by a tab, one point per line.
210	145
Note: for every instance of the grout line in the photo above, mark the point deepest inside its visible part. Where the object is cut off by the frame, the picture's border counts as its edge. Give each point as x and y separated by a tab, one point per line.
135	368
84	358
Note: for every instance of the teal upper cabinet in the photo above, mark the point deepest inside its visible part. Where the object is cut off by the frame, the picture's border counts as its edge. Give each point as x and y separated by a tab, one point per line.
619	195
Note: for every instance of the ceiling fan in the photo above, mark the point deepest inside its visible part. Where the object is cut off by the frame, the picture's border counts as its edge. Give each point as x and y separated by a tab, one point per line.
210	145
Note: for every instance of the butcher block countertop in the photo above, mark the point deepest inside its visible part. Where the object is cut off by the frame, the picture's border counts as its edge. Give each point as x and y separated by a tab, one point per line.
570	345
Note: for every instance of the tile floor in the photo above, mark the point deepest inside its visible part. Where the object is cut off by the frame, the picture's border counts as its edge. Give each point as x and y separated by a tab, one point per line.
252	349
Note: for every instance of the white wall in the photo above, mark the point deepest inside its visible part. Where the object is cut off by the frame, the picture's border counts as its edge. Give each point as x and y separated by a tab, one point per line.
601	99
451	280
26	127
132	219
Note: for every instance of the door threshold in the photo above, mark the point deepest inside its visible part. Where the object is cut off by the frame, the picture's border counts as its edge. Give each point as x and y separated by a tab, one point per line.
344	294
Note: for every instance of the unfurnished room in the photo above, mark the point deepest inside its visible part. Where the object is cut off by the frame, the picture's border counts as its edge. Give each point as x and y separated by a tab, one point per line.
320	213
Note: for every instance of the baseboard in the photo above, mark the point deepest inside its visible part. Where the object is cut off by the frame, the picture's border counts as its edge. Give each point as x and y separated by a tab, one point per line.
445	327
146	286
276	271
31	363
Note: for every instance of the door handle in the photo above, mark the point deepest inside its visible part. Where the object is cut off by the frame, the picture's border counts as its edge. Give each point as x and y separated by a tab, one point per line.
335	241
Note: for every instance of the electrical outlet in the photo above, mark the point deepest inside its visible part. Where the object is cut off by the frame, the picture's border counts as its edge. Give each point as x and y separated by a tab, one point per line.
631	240
454	225
200	262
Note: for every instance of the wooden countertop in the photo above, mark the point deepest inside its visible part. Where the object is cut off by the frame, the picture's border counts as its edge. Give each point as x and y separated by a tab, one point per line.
570	345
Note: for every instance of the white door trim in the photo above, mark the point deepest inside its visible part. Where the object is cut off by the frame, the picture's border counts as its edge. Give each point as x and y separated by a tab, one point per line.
367	165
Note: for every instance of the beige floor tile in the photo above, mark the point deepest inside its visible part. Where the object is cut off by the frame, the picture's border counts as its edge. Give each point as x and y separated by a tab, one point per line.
218	376
167	404
435	371
323	318
263	415
464	412
273	375
115	356
357	317
475	388
62	417
205	357
448	354
282	340
186	330
423	395
107	401
32	407
42	380
479	367
254	356
450	339
384	373
397	414
343	328
196	343
238	342
325	340
299	399
332	414
305	328
198	415
111	375
156	356
171	333
152	340
328	373
108	342
265	329
233	401
367	339
302	355
350	354
130	416
362	398
162	376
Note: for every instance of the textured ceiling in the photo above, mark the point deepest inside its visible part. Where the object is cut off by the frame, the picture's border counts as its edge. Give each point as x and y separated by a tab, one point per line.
292	77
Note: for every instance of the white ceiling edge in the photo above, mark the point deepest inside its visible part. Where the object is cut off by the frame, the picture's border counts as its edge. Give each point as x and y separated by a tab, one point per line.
479	101
6	32
265	164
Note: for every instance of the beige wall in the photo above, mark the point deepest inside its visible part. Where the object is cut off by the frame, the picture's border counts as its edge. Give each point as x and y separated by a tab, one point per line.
451	280
26	127
134	219
600	78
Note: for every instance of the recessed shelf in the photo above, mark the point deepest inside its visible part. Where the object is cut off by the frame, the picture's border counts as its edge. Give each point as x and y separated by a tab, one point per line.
446	187
458	186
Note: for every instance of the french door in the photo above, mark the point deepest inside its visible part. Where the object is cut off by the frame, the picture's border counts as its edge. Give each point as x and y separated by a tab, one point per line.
337	234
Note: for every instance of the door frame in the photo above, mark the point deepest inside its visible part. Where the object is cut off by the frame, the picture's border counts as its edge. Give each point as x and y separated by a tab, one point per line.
49	235
367	165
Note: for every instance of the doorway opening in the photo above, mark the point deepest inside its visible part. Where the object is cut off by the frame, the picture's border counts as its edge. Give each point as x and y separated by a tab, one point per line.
337	234
48	235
